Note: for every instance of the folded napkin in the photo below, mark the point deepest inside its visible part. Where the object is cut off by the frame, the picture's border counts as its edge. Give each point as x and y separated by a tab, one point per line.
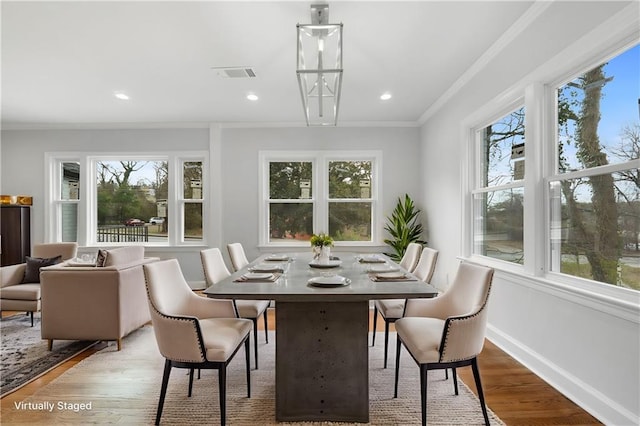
391	277
256	277
371	259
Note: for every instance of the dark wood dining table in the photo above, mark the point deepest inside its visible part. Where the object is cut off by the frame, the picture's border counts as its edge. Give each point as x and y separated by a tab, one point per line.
322	359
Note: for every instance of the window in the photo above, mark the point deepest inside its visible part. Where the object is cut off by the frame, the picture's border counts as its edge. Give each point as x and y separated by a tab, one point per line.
499	194
574	215
139	199
595	192
306	193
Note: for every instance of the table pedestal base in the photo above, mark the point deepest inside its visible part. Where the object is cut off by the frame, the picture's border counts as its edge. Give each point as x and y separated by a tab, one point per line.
322	361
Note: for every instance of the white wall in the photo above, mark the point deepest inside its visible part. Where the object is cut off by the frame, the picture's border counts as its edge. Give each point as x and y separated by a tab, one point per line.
23	169
584	344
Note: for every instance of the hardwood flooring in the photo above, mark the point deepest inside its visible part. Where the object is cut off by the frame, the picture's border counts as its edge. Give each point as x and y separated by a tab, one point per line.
515	394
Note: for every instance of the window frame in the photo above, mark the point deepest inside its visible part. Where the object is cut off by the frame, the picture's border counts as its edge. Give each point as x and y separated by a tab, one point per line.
477	188
320	192
541	123
87	203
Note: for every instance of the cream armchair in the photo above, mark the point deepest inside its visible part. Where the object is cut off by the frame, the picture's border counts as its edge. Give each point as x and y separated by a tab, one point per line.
193	331
95	303
20	294
215	271
392	309
447	331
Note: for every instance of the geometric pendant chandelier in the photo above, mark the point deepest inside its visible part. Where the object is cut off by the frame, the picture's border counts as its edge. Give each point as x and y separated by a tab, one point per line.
319	67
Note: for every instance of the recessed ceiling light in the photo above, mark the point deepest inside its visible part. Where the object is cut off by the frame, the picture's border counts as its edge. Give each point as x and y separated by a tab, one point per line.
385	96
252	97
121	96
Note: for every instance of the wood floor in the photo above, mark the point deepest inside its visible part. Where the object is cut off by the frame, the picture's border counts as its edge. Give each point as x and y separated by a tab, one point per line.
515	394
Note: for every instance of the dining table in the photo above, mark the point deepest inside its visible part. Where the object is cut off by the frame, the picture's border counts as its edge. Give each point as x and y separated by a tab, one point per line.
322	325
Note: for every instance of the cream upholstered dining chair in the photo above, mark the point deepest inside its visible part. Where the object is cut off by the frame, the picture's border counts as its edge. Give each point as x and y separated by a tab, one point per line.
193	331
215	271
447	331
20	288
238	257
411	255
392	309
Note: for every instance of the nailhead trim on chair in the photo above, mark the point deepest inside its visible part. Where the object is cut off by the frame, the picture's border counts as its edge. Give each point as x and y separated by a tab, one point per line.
450	320
192	320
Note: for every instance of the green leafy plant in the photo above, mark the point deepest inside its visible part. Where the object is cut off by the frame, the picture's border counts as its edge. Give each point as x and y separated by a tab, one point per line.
321	240
404	227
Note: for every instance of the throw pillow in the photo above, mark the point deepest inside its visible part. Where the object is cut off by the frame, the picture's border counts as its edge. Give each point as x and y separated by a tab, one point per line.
32	270
101	258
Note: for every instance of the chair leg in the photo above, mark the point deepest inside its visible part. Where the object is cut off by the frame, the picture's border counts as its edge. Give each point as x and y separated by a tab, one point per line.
375	323
222	389
446	374
31	318
119	341
50	344
266	327
386	341
454	373
247	347
163	389
190	382
476	376
398	345
423	392
255	339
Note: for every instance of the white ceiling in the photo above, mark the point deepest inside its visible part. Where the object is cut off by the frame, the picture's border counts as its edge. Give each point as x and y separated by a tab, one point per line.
63	61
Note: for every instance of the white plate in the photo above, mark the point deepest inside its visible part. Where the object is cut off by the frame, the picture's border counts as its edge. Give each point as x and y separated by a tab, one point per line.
332	281
257	276
382	269
267	267
327	264
277	258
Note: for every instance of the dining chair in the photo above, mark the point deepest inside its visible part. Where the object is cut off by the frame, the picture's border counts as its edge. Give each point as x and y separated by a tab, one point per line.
193	331
411	255
238	257
392	309
447	331
215	271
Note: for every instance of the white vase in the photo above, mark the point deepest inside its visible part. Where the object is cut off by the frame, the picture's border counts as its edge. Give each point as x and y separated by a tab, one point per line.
325	254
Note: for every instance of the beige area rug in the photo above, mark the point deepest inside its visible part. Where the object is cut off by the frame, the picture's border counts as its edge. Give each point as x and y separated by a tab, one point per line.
123	388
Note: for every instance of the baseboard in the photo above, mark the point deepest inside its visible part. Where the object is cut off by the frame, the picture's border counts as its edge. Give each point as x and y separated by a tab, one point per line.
590	399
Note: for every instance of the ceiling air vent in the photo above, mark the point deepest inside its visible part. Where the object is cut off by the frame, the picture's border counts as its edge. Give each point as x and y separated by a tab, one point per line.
235	72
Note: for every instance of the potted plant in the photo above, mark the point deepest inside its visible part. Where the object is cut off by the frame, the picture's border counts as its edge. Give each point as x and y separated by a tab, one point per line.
321	244
404	227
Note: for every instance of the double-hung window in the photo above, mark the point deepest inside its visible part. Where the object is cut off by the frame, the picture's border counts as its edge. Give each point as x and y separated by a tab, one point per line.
311	192
498	197
150	199
594	192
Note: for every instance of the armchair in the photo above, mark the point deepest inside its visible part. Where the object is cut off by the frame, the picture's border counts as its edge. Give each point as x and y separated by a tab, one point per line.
447	331
21	291
193	331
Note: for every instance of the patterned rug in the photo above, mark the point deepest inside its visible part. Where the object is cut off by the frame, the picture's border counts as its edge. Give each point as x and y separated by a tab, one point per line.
123	387
24	355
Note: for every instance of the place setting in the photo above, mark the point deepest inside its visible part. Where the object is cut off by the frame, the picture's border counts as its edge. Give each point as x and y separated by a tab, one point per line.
392	276
329	281
258	277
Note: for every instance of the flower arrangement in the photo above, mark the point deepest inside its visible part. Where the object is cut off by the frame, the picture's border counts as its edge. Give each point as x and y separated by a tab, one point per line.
321	240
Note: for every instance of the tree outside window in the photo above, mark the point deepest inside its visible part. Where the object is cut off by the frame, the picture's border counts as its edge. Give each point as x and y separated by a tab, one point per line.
596	193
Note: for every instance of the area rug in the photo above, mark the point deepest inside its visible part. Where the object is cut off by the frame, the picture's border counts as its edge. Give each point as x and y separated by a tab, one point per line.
24	355
123	387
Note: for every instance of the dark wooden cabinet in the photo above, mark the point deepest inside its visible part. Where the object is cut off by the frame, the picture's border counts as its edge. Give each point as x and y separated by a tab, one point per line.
15	229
